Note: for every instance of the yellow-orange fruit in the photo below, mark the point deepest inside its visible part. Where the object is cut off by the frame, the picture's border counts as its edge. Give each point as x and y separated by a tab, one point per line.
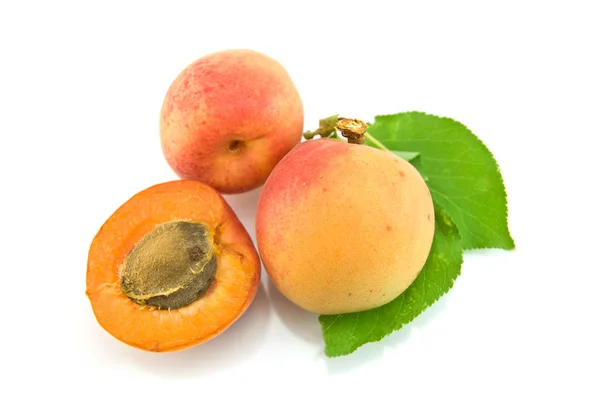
228	118
343	227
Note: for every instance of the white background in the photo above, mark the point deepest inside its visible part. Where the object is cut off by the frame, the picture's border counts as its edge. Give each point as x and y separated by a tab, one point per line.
81	87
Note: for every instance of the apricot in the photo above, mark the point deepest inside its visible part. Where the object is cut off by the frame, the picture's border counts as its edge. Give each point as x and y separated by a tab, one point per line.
228	118
171	268
343	227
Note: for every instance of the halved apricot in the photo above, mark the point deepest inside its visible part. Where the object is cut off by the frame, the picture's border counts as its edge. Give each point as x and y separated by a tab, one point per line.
171	268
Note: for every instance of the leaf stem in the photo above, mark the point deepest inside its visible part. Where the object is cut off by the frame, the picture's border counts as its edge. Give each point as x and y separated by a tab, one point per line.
354	130
375	142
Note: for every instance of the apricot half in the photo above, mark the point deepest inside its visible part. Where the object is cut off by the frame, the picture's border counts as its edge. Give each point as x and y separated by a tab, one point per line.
228	118
343	227
171	268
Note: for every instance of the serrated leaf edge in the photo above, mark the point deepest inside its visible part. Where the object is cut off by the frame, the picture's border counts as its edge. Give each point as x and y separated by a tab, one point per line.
512	245
450	286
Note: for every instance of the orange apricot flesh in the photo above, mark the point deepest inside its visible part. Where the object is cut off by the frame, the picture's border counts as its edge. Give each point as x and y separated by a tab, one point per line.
232	287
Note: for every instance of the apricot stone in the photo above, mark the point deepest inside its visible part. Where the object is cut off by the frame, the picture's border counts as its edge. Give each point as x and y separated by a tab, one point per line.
343	227
228	118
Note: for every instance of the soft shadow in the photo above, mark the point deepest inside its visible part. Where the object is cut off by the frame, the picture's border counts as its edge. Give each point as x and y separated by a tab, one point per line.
300	322
230	349
423	320
487	253
362	356
420	322
244	205
366	353
373	351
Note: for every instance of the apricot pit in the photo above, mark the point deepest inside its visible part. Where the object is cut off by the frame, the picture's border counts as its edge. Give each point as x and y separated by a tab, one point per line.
170	267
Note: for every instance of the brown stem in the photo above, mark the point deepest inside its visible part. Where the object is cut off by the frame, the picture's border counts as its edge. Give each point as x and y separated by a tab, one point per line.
353	129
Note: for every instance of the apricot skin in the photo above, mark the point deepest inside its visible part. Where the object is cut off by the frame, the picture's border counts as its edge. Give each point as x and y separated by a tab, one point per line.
229	296
343	227
228	118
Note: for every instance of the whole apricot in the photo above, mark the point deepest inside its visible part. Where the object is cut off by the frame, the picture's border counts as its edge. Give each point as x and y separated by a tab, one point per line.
343	227
228	118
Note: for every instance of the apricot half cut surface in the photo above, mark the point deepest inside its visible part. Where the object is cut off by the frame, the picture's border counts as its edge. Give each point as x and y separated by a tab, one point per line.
171	268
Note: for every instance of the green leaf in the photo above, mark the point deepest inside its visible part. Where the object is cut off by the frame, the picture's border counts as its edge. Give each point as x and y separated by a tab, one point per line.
461	173
344	333
408	156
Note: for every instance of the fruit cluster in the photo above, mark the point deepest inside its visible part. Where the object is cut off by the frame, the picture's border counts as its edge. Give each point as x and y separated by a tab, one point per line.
340	227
